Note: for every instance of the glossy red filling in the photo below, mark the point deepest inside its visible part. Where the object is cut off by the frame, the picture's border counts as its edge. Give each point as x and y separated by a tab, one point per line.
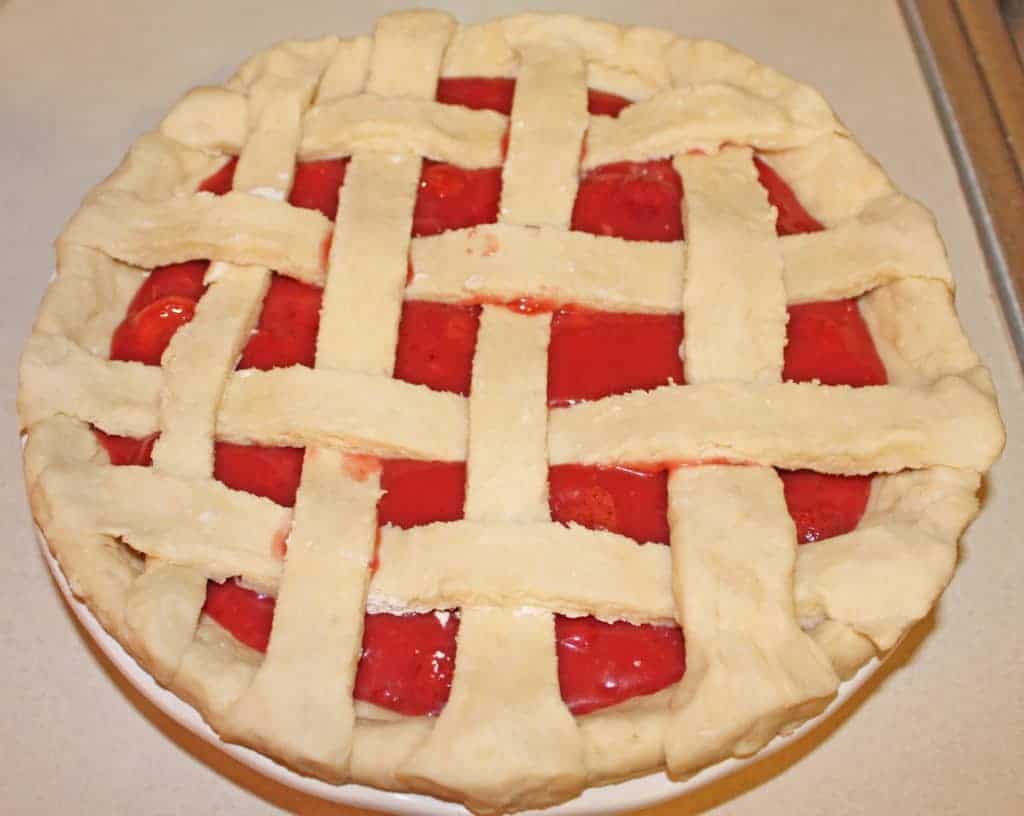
633	503
436	343
408	661
639	201
597	354
286	331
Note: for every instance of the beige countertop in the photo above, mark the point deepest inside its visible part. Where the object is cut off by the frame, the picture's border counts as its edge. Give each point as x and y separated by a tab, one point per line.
938	731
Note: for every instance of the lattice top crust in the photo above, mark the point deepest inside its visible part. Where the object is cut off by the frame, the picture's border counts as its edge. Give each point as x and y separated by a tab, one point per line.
769	629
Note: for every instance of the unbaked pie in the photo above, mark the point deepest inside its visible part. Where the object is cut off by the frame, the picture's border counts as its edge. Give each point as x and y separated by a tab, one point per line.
360	410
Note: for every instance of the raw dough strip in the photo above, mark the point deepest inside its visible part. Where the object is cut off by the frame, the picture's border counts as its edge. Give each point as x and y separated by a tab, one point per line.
676	121
498	262
505	659
299	706
830	429
733	299
750	670
891	239
918	336
506	467
156	168
362	300
910	529
348	70
280	92
197	364
811	172
449	133
293	406
407	51
200	523
505	675
243	229
163	606
98	569
467	563
950	422
365	413
549	117
57	376
89	298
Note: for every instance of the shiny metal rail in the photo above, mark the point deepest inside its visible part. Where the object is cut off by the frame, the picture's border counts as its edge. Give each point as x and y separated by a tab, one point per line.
974	72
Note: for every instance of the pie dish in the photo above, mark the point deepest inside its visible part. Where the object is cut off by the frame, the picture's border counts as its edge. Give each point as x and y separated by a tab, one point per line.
476	425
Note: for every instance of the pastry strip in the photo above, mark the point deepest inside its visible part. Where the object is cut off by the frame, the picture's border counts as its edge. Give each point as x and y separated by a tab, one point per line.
164	604
300	406
549	116
299	705
505	660
449	133
198	362
347	71
57	376
469	563
831	429
750	669
884	576
507	474
734	301
368	264
891	239
89	298
505	675
677	121
500	262
200	523
407	50
244	229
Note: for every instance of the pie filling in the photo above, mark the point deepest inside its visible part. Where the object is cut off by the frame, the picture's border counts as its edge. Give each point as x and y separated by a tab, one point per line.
408	661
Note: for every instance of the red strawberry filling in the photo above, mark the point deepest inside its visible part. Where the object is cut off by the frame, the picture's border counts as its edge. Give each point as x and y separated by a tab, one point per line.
408	661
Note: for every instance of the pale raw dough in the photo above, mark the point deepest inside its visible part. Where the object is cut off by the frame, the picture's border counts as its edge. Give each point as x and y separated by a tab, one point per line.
368	264
698	118
733	299
506	464
89	298
831	429
503	654
750	669
244	229
203	524
57	377
549	116
468	138
910	529
505	262
299	703
359	412
375	96
469	563
196	365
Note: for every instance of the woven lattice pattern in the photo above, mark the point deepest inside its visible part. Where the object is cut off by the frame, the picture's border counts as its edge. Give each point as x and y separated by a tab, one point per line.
769	632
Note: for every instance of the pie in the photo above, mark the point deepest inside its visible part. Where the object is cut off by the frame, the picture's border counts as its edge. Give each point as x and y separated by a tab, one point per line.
360	410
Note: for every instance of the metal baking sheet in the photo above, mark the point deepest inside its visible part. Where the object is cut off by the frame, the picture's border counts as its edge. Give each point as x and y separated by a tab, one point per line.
974	73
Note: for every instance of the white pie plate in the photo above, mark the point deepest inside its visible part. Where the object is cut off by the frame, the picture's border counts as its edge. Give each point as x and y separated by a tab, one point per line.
624	796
